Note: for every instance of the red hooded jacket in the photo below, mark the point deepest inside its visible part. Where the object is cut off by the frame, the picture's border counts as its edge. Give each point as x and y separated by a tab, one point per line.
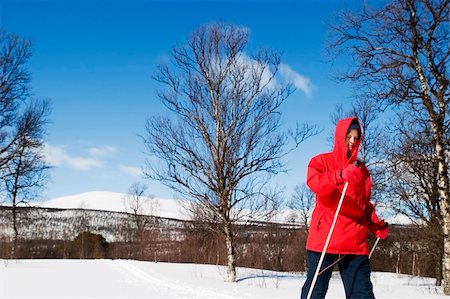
357	214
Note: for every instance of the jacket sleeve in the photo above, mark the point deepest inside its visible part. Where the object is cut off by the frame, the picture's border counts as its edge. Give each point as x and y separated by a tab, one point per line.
378	227
319	180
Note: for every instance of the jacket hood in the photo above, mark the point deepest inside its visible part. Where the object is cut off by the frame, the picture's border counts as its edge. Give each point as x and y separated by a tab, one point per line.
340	148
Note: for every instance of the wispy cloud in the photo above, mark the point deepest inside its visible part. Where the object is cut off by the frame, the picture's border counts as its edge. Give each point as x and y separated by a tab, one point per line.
57	156
102	151
266	75
300	82
130	170
286	74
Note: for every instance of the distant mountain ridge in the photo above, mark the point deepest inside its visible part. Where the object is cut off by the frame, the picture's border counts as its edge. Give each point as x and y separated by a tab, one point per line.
111	201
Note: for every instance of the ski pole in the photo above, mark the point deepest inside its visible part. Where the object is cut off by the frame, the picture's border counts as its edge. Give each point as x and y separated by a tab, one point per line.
313	283
373	247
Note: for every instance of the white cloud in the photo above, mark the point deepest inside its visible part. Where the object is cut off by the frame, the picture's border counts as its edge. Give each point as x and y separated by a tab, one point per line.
133	171
300	82
57	156
286	73
267	75
102	151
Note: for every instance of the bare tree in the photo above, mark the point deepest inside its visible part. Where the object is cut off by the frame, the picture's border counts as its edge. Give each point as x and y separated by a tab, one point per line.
141	206
226	143
14	89
26	171
21	124
138	202
401	56
302	202
413	189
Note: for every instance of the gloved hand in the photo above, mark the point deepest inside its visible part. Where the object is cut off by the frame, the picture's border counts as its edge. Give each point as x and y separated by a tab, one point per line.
383	231
351	174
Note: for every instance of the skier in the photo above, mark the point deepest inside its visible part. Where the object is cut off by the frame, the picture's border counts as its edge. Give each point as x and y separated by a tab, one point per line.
348	246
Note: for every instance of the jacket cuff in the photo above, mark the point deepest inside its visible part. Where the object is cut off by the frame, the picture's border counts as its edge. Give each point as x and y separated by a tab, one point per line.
382	232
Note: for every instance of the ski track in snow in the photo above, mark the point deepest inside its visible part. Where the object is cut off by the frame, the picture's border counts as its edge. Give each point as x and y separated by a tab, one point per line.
174	288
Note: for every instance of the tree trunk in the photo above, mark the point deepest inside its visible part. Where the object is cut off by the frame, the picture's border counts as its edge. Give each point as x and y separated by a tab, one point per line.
445	210
439	267
446	230
15	191
446	257
231	258
16	232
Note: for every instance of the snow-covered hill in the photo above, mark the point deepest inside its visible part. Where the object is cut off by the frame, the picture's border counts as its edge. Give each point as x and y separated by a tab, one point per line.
111	201
105	213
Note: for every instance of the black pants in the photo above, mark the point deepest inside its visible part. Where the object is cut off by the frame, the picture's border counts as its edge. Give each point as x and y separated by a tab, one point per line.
355	274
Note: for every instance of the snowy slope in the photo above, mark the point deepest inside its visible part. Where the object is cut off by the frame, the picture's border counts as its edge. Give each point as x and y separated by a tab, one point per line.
133	279
110	201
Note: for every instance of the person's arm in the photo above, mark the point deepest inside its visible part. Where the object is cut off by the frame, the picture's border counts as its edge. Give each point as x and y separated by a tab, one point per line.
319	180
378	227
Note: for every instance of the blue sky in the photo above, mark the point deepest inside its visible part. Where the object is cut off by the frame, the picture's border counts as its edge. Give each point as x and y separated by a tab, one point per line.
95	61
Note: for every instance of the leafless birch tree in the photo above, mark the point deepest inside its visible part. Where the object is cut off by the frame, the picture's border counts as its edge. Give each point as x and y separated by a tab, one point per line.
302	202
14	89
401	56
140	205
413	189
223	142
22	124
26	172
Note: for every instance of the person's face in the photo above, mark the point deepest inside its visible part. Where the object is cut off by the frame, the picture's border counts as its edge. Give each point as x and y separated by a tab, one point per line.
352	139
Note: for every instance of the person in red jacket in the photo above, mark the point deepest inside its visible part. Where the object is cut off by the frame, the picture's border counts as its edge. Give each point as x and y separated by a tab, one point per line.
348	246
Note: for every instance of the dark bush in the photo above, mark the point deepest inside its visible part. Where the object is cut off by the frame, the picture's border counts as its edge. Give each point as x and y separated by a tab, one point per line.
88	245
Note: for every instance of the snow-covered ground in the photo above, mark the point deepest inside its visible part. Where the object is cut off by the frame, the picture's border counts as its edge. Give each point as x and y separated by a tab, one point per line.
134	279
